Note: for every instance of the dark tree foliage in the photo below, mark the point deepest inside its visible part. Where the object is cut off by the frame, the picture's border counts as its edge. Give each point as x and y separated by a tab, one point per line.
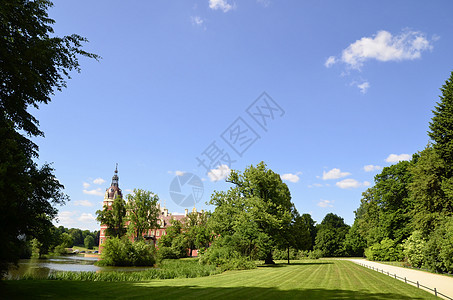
32	65
114	218
331	235
441	125
311	225
255	214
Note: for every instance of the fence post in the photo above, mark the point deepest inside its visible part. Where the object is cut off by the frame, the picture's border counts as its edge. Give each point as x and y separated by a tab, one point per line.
418	285
435	292
405	280
395	276
388	273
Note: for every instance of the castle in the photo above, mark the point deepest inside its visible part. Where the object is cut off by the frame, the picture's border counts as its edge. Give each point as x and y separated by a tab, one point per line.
153	235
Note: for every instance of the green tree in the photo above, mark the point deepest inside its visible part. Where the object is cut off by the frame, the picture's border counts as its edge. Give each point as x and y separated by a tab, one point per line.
354	243
441	125
196	231
142	212
297	235
258	206
427	191
89	242
32	65
386	208
311	225
331	235
114	217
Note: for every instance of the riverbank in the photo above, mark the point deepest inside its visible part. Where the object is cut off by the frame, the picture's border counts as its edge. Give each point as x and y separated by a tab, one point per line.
305	279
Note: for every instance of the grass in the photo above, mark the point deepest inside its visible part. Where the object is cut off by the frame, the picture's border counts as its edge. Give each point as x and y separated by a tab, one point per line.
307	279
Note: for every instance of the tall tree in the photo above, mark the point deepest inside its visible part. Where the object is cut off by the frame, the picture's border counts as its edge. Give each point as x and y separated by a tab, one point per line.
114	218
260	201
331	235
441	125
142	212
32	65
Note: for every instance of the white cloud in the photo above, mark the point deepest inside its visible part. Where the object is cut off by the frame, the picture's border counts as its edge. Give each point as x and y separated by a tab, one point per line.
315	185
371	168
96	192
179	173
197	21
83	203
85	217
291	177
99	181
86	185
220	4
325	203
351	183
334	174
66	218
363	87
330	61
220	173
383	46
394	158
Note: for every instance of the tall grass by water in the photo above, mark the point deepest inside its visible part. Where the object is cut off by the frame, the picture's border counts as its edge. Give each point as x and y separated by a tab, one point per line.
167	269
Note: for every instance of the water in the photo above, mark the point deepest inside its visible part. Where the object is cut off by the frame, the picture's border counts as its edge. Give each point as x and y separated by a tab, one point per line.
43	267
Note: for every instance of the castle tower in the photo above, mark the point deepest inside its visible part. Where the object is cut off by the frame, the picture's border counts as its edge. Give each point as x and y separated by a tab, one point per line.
110	194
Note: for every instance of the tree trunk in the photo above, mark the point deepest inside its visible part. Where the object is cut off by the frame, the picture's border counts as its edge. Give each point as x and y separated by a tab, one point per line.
269	259
288	255
190	253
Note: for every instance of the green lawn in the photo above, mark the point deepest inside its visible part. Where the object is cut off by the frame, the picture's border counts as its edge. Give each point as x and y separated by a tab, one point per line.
307	279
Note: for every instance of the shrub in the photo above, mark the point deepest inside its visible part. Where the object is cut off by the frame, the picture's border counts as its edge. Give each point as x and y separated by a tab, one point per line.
226	258
122	252
413	249
315	254
386	250
60	250
166	253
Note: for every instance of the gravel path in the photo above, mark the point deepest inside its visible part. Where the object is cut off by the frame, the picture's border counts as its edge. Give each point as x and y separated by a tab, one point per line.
443	284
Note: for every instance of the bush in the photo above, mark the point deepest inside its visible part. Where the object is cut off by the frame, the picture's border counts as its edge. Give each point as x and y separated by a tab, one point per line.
438	251
315	254
283	254
60	250
166	253
386	250
413	249
226	258
122	252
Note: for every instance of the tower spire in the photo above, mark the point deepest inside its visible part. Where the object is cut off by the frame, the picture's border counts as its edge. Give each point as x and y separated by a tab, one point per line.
115	177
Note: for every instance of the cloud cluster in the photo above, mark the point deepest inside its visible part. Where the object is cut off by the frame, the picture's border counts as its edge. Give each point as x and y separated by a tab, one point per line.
83	203
291	177
325	203
222	5
382	46
334	174
99	181
351	183
95	192
371	168
394	158
219	173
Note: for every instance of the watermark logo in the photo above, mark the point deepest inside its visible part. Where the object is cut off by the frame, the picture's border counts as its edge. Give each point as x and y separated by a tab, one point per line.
219	156
186	190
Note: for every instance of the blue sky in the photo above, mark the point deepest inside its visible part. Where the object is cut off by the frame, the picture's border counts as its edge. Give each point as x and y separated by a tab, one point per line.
355	82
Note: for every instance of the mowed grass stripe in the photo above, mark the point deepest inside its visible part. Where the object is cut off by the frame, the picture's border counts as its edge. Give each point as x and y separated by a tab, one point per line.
319	279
